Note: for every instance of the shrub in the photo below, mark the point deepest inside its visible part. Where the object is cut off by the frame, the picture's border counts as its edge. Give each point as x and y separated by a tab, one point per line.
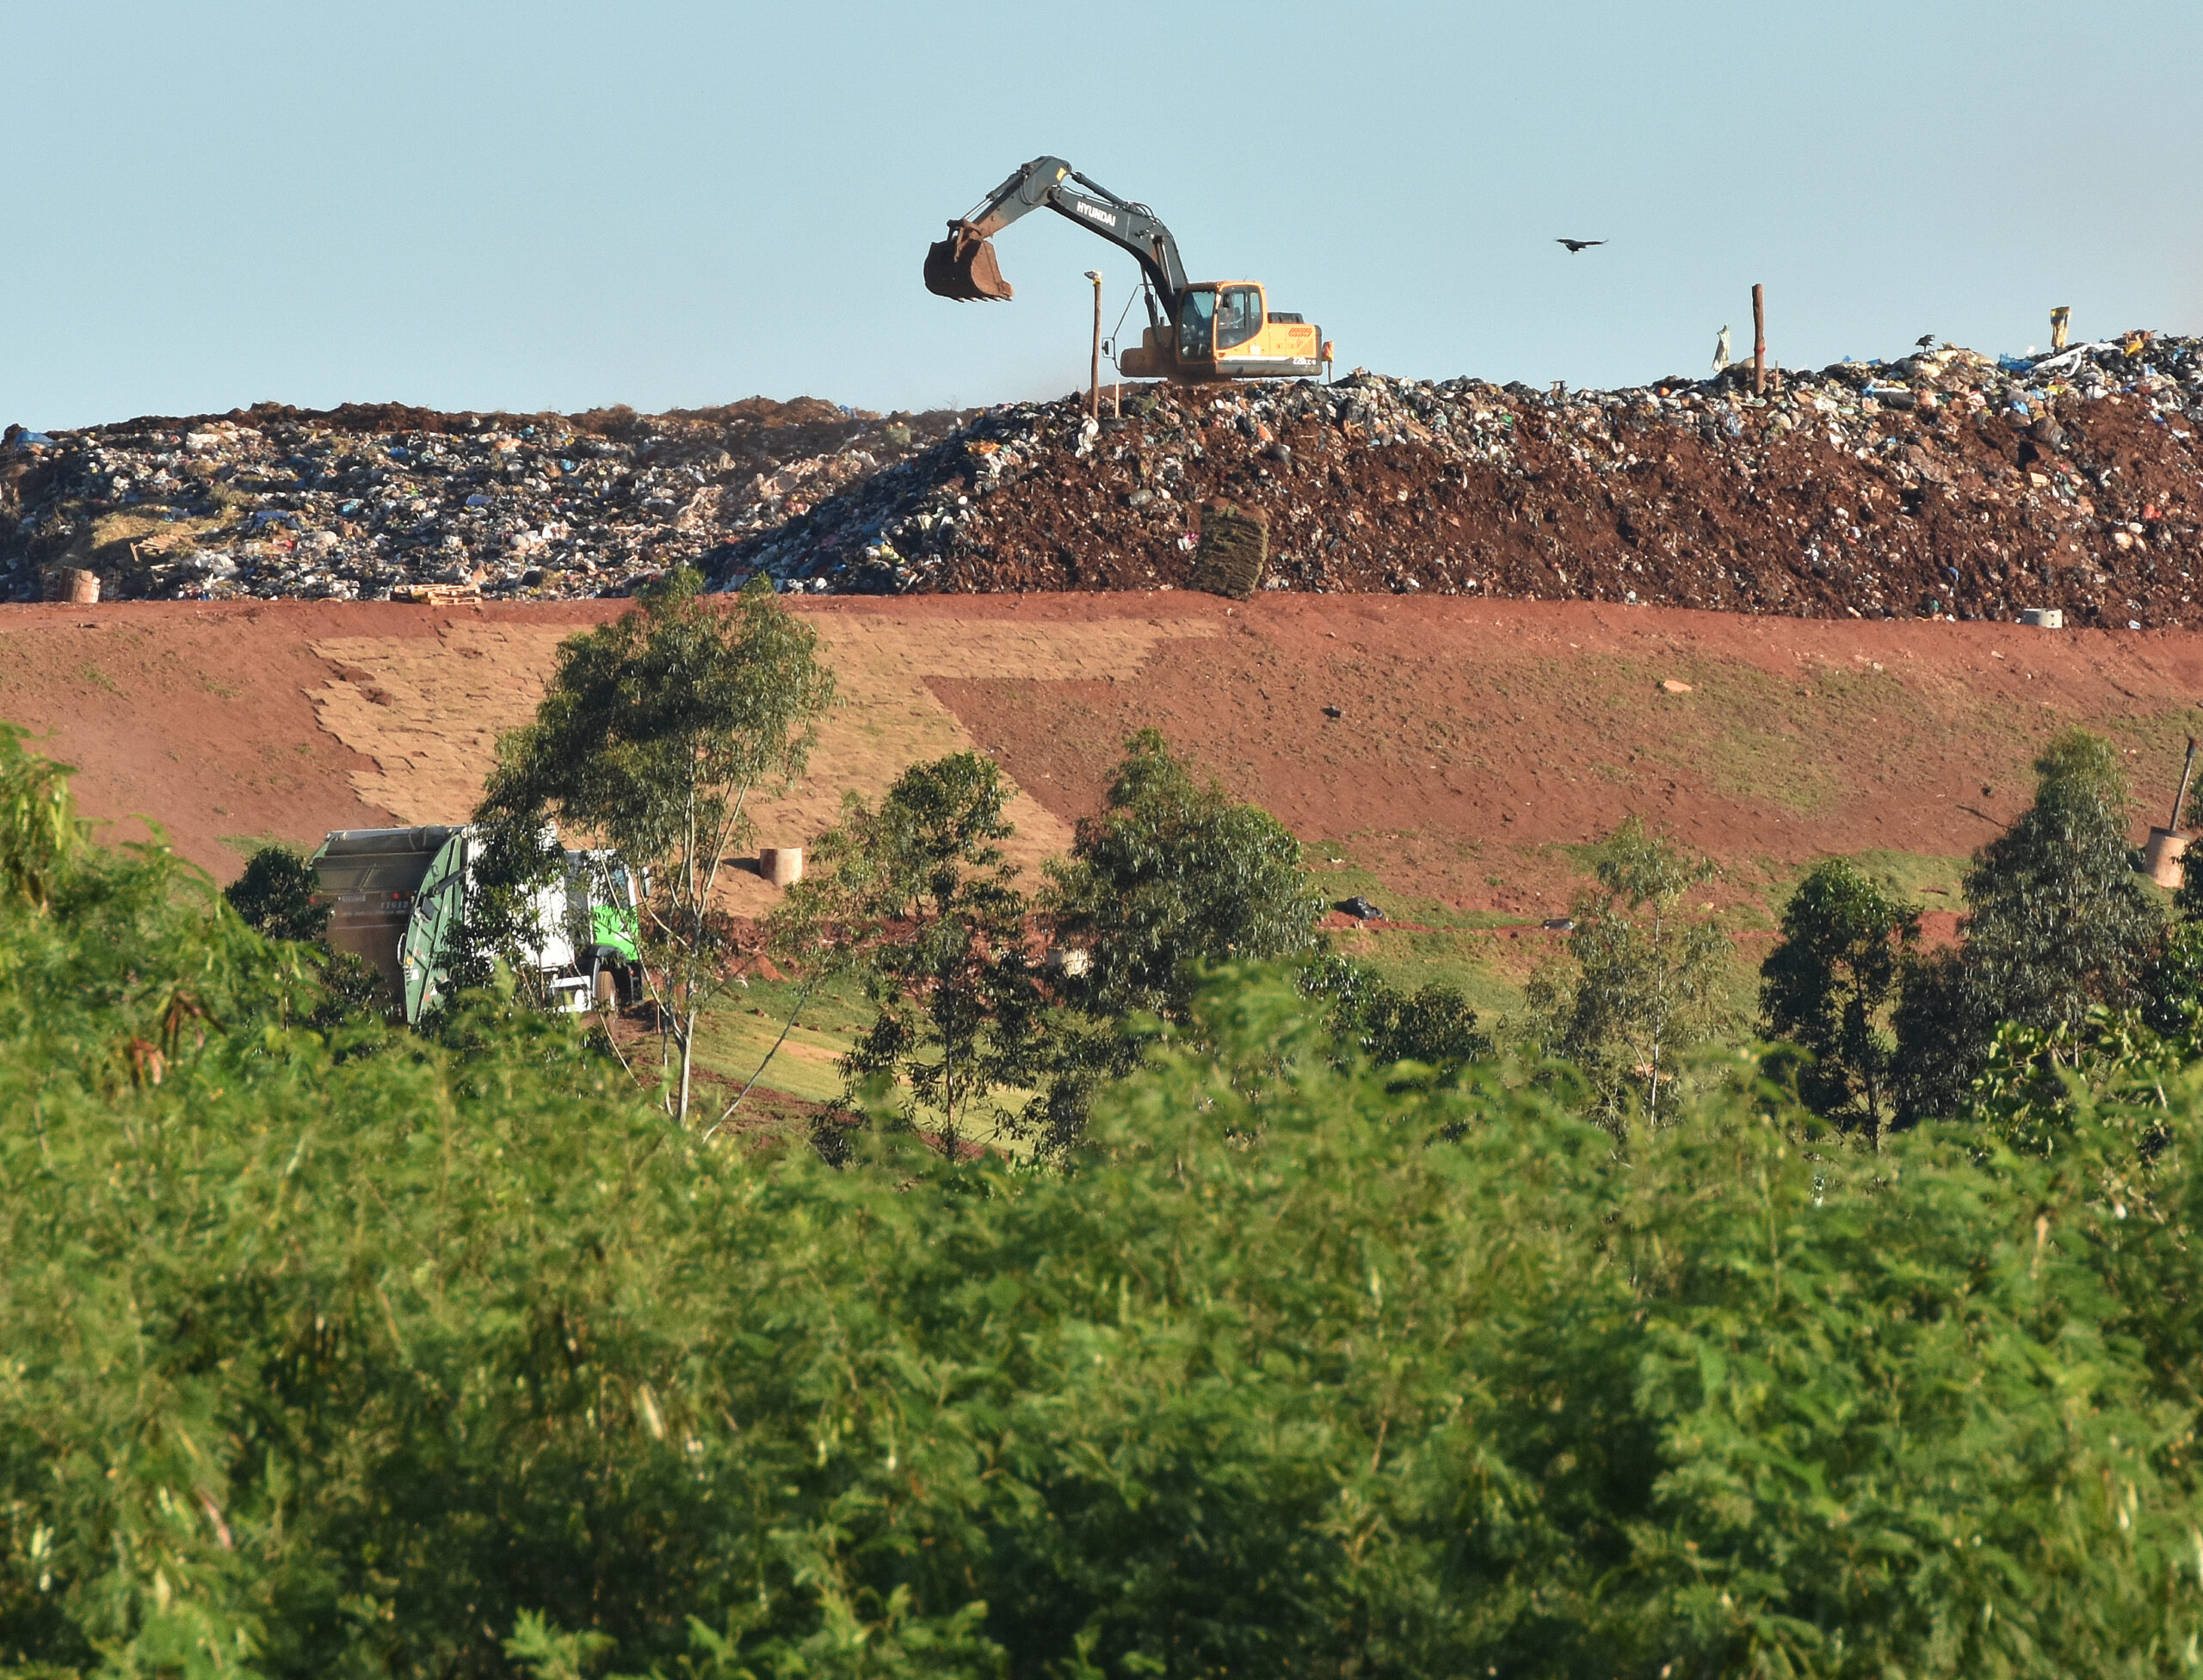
418	1363
2056	925
1830	986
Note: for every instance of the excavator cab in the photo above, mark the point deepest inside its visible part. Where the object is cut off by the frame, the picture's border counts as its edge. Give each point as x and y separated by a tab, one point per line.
1226	330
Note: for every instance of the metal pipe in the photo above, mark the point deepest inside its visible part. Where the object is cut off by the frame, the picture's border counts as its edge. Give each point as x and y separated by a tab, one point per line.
1094	380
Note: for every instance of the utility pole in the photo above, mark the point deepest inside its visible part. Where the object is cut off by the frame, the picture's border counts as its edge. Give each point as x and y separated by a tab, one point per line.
1759	341
1094	382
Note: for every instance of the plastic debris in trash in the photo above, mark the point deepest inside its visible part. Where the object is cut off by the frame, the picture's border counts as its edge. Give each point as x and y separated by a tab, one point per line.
1359	907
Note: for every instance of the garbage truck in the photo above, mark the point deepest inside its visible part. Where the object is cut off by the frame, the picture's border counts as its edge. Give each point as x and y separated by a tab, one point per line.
398	897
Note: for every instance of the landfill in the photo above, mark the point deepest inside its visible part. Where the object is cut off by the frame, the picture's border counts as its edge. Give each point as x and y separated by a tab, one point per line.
368	502
1943	484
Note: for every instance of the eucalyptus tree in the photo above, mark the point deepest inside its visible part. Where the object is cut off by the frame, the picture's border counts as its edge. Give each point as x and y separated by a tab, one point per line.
656	734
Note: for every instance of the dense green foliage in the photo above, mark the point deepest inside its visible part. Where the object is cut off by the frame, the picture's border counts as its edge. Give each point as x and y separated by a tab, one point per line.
1830	986
1434	1027
1642	985
274	895
2056	925
652	734
916	890
352	1354
1175	872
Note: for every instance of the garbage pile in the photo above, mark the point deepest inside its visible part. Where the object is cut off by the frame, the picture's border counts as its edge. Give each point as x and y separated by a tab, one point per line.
364	502
1946	483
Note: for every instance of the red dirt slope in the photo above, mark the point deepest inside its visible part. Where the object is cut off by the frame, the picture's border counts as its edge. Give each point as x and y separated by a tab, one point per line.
1477	742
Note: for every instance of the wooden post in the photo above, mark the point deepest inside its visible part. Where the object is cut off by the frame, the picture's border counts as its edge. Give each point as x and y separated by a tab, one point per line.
1094	381
1759	341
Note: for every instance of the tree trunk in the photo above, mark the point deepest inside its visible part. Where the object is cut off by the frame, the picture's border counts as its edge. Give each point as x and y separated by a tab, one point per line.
688	1062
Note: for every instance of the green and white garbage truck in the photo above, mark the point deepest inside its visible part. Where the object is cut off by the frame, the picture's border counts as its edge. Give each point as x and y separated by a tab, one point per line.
399	896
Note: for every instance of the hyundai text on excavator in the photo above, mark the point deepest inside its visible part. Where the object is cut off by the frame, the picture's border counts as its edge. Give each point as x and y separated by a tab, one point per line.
1212	330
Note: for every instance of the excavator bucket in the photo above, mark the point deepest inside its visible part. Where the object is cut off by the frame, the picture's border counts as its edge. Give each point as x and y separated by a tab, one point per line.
963	266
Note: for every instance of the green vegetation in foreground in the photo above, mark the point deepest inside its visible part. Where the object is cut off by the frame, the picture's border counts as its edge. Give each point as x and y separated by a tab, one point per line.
354	1352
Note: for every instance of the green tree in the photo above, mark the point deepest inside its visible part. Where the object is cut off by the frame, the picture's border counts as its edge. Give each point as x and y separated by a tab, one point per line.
1643	981
937	926
2058	925
1172	872
1435	1026
2172	985
653	734
275	896
39	827
1830	986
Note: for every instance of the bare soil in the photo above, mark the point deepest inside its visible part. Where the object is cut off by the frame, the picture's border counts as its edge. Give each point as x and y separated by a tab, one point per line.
1478	745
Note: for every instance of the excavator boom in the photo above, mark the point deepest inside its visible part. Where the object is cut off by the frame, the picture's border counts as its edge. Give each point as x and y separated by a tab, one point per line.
1213	331
963	266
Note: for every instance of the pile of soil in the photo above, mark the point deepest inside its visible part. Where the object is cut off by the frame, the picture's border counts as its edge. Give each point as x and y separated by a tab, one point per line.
1942	485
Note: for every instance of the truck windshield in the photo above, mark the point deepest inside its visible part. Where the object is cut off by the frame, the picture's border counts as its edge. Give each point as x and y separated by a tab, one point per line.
1196	326
1239	316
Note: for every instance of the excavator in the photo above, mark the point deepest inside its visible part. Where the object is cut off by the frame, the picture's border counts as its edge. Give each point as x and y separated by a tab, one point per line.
1198	332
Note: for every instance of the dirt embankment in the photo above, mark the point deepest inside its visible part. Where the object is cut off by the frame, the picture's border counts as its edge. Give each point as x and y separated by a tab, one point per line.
1476	746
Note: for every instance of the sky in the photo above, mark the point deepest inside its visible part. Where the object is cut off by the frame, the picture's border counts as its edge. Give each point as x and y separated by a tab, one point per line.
558	206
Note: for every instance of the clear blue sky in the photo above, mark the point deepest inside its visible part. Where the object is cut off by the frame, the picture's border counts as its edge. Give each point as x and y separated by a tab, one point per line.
557	206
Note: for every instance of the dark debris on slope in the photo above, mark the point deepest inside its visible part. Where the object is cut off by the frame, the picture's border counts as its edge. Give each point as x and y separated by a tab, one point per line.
1944	484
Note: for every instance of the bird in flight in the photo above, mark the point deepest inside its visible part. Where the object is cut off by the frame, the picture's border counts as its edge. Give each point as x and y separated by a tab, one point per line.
1574	245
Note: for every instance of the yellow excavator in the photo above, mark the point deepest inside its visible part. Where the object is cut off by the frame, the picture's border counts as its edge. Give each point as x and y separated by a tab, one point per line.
1212	330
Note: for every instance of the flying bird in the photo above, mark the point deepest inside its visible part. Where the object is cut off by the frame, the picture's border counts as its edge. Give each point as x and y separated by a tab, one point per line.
1721	350
1574	245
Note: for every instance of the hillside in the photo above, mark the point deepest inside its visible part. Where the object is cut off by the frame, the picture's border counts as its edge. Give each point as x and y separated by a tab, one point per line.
1476	750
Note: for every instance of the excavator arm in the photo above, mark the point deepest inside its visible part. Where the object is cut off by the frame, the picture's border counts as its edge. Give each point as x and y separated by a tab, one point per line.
963	265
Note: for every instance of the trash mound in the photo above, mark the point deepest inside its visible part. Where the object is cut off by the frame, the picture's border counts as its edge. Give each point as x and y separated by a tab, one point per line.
369	500
1943	485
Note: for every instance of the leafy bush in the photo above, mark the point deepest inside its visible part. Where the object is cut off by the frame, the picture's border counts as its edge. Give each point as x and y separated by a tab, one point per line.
410	1362
1830	985
2056	925
1175	872
274	895
1434	1027
1641	986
